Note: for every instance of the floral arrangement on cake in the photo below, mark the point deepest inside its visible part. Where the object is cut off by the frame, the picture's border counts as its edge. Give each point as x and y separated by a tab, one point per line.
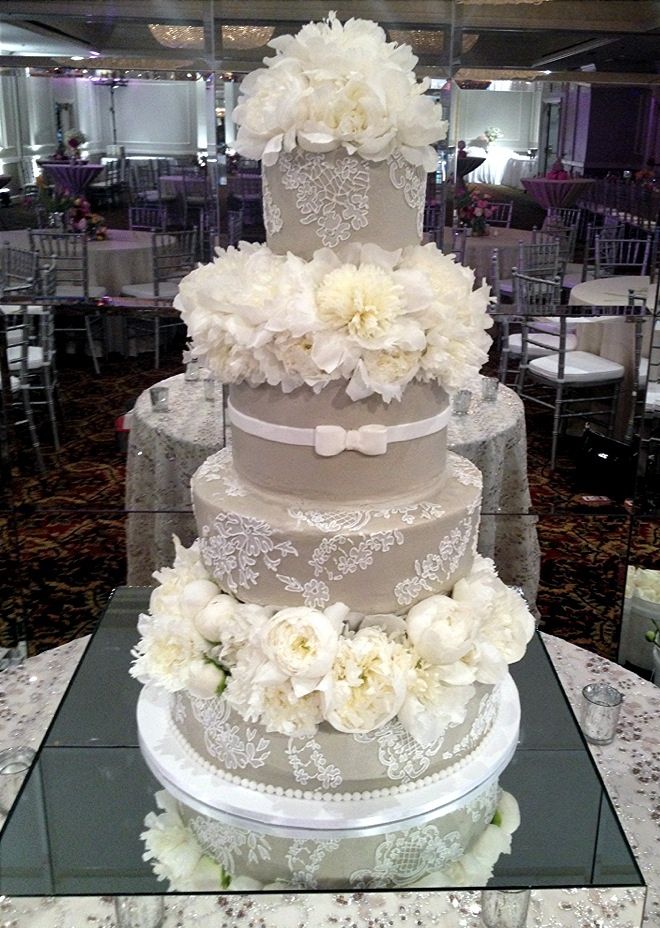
374	318
338	84
473	209
492	134
177	856
291	669
644	583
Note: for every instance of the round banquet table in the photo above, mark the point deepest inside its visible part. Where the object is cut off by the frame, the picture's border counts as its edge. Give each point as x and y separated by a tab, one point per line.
479	249
165	449
630	767
71	176
548	192
123	258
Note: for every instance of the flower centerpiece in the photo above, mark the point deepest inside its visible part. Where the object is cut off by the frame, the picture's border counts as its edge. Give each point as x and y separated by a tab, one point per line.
492	134
73	139
67	212
473	210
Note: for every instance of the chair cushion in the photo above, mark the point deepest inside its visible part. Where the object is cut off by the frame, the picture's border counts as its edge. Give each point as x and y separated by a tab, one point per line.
167	290
549	344
552	324
35	358
580	367
652	400
68	290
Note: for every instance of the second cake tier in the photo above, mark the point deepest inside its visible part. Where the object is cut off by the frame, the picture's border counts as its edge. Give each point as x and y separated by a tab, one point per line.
286	551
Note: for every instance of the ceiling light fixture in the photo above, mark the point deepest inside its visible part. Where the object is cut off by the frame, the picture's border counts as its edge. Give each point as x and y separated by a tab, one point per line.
192	37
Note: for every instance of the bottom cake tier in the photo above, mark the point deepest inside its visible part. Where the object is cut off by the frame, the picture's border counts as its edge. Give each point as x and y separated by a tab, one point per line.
443	783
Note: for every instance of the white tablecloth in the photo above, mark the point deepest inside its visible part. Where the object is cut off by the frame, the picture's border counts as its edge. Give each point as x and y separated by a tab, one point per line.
165	449
502	166
630	767
123	258
479	249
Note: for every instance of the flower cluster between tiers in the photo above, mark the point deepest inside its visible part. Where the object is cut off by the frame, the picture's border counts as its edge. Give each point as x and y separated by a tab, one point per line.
293	668
335	85
374	318
177	856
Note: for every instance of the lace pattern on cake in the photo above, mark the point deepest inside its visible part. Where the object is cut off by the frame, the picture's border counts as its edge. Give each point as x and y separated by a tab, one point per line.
412	181
228	845
308	764
218	467
304	859
483	722
404	857
402	757
436	566
333	197
234	545
224	741
485	805
273	221
354	520
334	559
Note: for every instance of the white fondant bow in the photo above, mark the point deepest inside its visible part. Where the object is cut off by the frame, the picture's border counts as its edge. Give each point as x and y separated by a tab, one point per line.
330	440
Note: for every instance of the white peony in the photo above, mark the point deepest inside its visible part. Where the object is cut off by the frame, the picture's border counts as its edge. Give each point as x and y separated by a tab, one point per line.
176	854
187	567
367	683
644	583
288	713
431	706
165	651
441	629
302	643
205	679
195	595
335	85
229	625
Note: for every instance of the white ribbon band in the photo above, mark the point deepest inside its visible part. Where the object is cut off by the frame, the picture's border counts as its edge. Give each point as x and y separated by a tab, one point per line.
329	440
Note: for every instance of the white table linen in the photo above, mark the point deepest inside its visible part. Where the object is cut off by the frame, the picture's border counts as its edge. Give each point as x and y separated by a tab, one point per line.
165	449
630	767
479	249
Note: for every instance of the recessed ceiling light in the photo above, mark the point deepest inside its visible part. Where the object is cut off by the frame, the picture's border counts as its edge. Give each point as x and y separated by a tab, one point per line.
77	58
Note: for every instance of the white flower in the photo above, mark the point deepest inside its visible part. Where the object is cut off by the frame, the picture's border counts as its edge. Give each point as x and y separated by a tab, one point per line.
205	679
230	625
187	567
337	84
505	622
176	853
302	643
285	712
367	684
431	706
195	595
441	629
644	583
165	651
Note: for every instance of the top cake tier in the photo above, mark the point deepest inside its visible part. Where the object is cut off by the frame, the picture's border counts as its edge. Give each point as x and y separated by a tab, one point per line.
345	132
322	200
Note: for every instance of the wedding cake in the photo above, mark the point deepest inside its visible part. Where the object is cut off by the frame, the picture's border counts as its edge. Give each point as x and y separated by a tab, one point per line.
332	651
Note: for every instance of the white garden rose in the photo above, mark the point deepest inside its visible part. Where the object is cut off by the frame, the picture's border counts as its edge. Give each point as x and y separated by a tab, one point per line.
302	643
334	85
205	679
367	683
441	629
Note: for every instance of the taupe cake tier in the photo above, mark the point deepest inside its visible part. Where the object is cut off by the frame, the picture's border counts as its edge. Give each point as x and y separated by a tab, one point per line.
321	200
331	765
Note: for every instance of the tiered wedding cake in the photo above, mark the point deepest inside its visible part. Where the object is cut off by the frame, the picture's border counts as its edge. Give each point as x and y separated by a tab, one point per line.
335	651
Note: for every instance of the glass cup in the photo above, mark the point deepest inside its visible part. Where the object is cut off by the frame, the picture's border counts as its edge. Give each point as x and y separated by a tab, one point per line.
461	402
489	388
159	399
209	389
504	908
139	911
14	765
193	371
601	705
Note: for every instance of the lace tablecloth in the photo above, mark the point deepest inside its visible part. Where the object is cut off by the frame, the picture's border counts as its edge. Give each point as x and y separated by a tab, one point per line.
630	767
165	449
